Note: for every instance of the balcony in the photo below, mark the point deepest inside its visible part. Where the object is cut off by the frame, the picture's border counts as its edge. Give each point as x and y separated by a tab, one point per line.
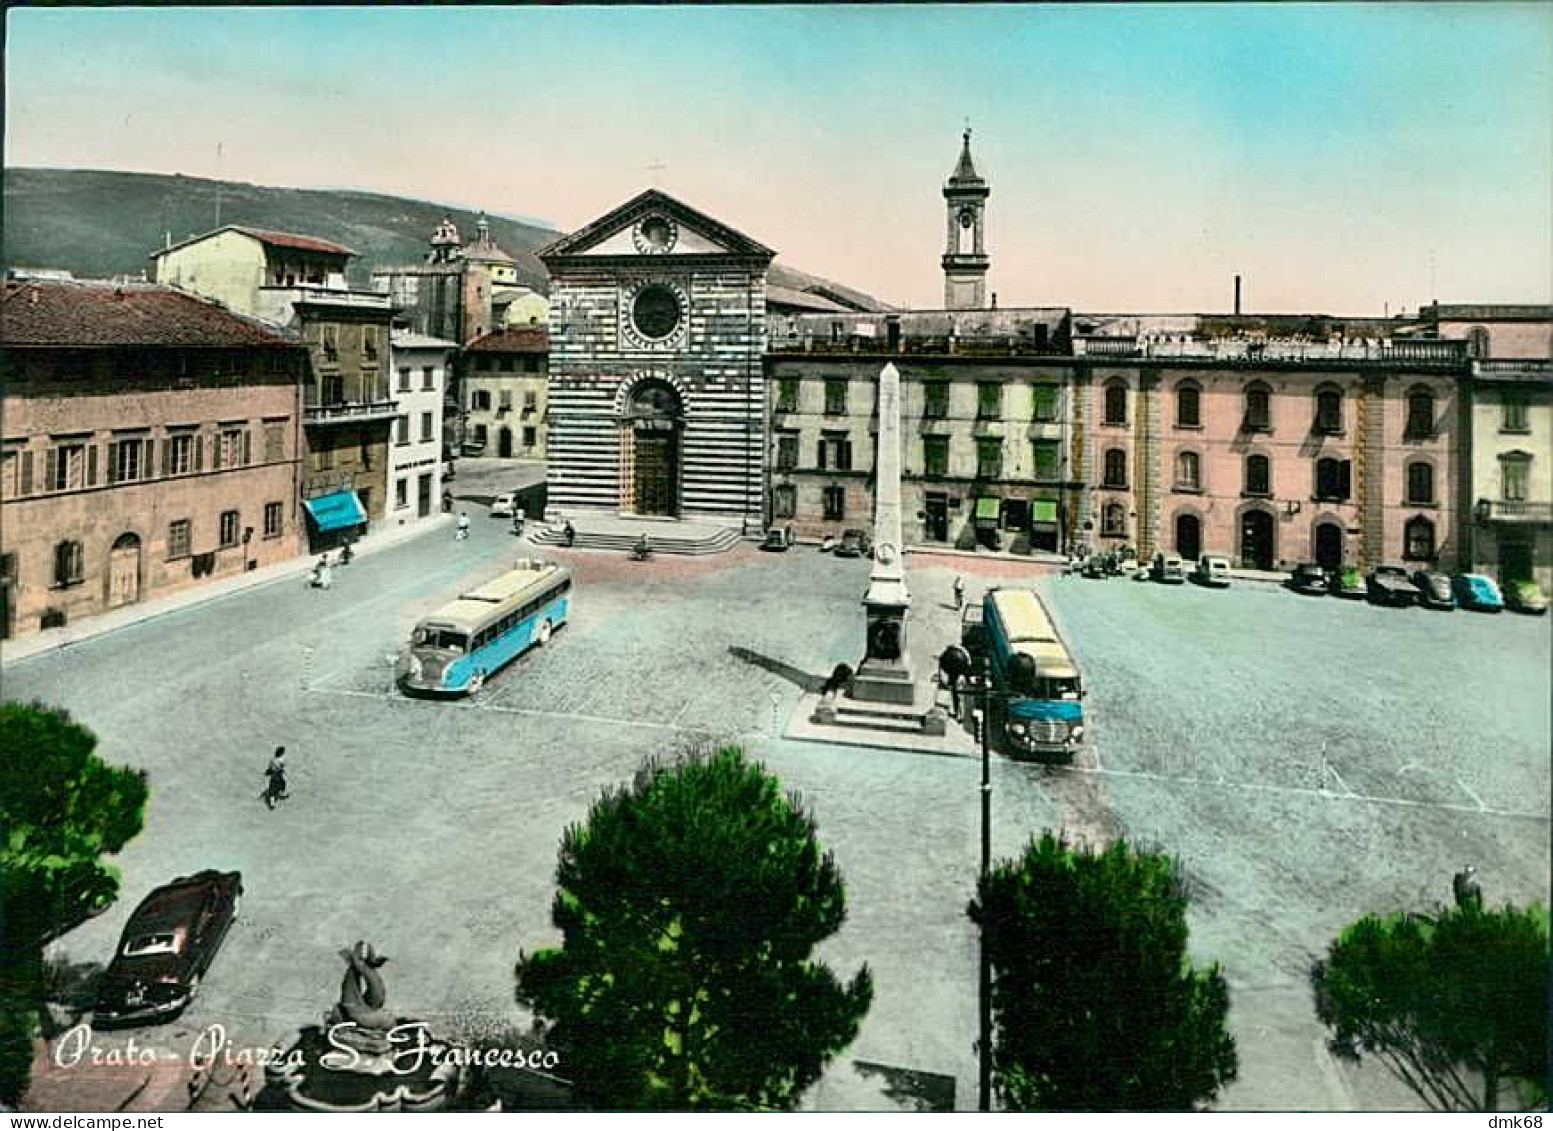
349	412
1514	511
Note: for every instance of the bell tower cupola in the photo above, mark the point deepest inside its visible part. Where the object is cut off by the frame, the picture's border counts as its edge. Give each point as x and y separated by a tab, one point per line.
965	253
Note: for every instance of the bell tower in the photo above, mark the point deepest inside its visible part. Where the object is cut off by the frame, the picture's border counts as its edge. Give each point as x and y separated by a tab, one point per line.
965	253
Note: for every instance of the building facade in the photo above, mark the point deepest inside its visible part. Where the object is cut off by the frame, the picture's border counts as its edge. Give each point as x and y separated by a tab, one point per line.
151	442
504	377
421	367
657	332
1509	517
298	282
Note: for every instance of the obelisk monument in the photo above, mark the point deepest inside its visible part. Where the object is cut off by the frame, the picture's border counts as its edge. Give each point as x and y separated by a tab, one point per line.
885	673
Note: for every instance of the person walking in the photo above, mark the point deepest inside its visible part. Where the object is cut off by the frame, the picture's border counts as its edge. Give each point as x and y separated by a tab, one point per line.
463	526
275	779
954	665
569	533
959	593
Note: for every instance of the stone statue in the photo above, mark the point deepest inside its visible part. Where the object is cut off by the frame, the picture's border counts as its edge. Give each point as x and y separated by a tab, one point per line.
360	1008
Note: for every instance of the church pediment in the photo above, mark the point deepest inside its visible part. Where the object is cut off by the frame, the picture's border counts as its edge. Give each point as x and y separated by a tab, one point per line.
654	224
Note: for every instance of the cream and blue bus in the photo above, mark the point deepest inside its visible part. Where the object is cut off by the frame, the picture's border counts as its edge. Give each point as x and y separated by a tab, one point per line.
1036	678
454	650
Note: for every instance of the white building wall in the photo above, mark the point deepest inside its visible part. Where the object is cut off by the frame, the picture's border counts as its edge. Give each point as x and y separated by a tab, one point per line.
415	442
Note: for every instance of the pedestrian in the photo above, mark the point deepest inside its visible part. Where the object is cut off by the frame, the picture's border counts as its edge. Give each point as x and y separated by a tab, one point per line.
959	593
447	502
954	665
323	576
275	779
569	533
463	526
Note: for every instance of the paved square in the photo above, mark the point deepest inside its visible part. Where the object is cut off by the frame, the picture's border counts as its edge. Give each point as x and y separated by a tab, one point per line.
1307	760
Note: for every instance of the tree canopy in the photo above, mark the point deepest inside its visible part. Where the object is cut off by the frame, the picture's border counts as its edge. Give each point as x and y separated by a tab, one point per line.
1455	1006
1096	1005
61	809
689	903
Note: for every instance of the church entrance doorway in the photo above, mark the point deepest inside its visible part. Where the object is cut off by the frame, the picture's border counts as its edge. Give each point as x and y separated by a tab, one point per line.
650	447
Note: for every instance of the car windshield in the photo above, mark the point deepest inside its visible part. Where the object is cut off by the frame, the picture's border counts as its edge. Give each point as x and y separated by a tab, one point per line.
160	943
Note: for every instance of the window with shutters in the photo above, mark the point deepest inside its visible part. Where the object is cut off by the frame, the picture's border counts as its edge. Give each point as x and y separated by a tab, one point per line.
506	400
1420	413
66	467
835	497
401	492
331	341
1259	413
835	452
1513	416
179	536
1188	471
1047	459
230	448
935	456
426	434
401	430
1045	404
1514	476
989	458
989	400
274	442
229	524
1116	402
787	451
835	397
1188	405
1114	473
428	377
404	378
787	394
530	436
369	340
274	519
1258	475
1329	411
480	400
69	564
178	453
1420	483
1333	479
530	401
11	475
935	400
126	460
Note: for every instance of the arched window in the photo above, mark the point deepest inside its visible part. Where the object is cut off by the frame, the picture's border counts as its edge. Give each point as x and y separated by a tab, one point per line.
1188	472
1420	483
1115	473
1259	479
1188	405
1116	402
1113	520
68	559
1333	478
1259	410
1329	410
1478	341
1420	412
1418	539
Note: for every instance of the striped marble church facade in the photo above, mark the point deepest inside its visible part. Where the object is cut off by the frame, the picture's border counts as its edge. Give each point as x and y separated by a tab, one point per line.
657	335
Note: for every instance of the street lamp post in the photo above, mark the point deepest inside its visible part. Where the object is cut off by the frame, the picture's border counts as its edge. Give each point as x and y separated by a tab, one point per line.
984	1044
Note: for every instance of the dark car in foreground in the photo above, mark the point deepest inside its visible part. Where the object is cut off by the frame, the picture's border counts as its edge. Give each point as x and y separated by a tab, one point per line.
854	544
1526	597
1475	591
167	945
1308	577
1434	590
1388	585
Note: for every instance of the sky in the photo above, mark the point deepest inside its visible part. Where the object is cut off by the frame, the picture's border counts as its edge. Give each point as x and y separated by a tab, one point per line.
1345	159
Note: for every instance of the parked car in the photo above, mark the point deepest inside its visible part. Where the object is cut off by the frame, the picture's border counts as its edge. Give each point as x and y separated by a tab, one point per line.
777	539
1388	585
1168	568
166	948
1212	570
1526	597
854	544
504	504
1474	591
1348	584
1309	578
1095	566
1434	590
973	630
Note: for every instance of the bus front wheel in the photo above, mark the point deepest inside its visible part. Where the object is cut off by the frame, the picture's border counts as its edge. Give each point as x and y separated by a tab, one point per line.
544	632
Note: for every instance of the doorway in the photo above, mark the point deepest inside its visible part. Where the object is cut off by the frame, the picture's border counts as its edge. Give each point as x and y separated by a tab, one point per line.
124	571
1189	536
1256	540
1329	546
935	516
423	495
651	438
1514	559
504	443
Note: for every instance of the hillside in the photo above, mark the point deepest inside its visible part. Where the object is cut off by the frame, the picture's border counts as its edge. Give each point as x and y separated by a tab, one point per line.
101	223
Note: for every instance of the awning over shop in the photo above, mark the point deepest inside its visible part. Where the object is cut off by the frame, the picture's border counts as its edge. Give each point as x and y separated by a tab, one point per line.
1043	510
987	509
336	511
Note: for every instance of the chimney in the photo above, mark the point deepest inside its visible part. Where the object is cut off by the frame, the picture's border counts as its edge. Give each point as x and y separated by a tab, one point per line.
1237	296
